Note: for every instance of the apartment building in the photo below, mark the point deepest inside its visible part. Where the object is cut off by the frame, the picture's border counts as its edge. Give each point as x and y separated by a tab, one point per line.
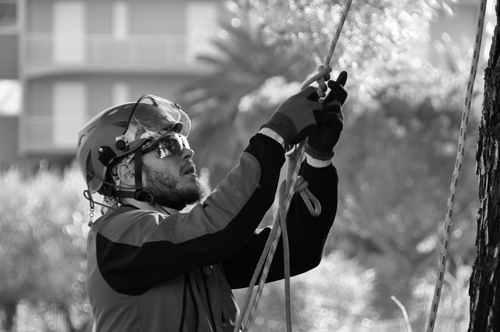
9	86
74	58
77	57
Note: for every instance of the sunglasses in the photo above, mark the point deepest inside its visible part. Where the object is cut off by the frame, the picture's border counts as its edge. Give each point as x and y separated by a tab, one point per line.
169	145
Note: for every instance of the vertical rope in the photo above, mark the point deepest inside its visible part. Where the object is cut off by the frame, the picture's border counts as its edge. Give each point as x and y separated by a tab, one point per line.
337	34
292	174
326	67
456	172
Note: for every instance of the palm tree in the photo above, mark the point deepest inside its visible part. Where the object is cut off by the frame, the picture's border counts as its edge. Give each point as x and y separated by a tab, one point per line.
244	62
271	43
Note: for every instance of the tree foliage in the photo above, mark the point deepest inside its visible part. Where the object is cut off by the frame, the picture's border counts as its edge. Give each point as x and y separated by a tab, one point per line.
397	151
265	42
395	159
43	244
337	294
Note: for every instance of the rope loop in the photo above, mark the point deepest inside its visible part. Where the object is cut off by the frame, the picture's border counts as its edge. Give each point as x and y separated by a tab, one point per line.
312	203
323	71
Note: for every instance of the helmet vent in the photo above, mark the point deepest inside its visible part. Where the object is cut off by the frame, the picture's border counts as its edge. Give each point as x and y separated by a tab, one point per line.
80	141
90	169
123	124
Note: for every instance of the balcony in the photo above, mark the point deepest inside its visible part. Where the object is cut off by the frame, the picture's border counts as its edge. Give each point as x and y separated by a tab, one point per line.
47	53
48	135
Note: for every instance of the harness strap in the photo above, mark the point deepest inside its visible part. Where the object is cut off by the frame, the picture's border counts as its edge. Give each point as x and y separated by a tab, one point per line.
144	194
183	314
207	294
195	303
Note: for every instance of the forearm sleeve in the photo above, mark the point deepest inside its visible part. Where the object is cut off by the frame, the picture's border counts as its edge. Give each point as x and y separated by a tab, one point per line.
307	234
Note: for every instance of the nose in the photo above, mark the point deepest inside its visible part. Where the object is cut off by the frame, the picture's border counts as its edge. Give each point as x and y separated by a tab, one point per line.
187	153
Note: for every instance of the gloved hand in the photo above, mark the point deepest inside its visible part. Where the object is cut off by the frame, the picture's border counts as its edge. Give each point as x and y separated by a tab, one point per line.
323	139
296	117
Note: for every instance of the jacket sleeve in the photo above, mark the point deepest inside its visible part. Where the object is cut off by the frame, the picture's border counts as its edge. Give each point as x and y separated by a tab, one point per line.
307	234
137	249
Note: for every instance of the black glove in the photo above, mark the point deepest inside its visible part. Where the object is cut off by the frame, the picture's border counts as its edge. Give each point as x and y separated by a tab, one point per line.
323	139
297	117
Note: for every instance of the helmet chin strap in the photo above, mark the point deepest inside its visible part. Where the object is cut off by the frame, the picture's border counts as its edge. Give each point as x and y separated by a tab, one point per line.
143	194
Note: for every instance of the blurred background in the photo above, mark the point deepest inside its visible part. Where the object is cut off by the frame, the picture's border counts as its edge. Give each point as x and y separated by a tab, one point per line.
229	64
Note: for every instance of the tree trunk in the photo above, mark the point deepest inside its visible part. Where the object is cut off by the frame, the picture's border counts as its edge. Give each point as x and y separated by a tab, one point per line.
484	288
10	313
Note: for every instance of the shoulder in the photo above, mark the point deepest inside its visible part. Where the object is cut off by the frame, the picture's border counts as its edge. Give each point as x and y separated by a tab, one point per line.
128	224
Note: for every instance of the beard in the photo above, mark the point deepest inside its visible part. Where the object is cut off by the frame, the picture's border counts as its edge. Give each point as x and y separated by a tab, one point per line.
166	188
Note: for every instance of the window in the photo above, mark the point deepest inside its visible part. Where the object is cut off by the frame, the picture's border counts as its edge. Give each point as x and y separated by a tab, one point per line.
8	15
120	20
69	31
120	93
10	97
69	112
201	24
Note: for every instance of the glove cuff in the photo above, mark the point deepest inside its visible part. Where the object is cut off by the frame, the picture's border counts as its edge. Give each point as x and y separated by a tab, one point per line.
283	126
319	154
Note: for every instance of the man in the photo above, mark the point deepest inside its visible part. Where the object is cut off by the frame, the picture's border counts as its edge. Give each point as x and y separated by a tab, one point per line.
152	267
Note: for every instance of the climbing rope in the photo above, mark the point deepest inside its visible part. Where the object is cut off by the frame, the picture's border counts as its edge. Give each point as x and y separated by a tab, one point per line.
292	184
456	172
297	184
320	75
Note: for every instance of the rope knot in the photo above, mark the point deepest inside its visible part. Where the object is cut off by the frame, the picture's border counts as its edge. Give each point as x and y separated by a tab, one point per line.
301	184
312	203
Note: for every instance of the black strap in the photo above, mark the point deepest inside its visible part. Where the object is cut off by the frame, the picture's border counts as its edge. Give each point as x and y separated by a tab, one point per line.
140	193
130	206
170	204
144	194
163	202
195	304
183	315
208	297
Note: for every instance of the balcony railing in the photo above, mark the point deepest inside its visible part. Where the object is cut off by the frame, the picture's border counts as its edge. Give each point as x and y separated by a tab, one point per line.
46	134
103	49
36	131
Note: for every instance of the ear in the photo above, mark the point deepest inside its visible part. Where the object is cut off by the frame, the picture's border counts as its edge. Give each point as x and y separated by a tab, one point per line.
126	173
